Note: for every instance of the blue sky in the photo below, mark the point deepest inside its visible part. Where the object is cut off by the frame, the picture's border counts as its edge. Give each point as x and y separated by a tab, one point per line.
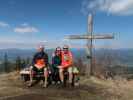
27	23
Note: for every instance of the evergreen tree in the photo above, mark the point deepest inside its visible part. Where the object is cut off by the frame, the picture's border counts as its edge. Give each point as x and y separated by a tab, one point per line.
18	63
28	61
23	63
6	63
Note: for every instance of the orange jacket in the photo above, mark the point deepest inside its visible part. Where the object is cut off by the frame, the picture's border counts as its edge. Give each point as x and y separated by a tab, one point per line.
40	63
67	59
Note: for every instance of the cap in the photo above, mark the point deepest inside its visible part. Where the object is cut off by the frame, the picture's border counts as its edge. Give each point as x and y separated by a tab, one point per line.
65	47
58	49
41	46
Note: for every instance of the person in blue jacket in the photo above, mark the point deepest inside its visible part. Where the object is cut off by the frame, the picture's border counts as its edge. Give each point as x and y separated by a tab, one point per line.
56	61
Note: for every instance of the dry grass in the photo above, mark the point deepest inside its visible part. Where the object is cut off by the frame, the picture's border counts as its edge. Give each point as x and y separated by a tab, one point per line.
90	89
118	89
9	85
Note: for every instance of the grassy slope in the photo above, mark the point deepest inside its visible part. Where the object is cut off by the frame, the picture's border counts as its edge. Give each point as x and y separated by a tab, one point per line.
90	89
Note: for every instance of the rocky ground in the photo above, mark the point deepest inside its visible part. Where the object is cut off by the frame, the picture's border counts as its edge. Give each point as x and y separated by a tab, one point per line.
12	88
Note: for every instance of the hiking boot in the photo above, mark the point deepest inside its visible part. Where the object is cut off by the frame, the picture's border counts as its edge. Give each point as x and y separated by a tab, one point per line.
62	84
58	82
44	85
30	84
76	84
41	82
70	85
53	82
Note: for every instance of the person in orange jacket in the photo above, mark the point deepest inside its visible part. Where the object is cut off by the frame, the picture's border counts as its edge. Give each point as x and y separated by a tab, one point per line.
39	64
67	61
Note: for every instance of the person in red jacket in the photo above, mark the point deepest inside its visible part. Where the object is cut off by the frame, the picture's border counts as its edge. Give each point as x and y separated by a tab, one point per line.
67	61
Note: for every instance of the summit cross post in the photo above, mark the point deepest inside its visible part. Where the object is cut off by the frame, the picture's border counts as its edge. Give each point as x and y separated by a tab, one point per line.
90	37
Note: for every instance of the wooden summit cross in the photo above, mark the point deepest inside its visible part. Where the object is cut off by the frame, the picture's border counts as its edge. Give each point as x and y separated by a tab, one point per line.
90	37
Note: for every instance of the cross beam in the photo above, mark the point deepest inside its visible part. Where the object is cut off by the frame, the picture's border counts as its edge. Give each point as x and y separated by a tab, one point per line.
90	37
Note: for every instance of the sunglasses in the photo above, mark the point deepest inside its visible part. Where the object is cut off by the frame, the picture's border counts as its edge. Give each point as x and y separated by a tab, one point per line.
65	48
58	51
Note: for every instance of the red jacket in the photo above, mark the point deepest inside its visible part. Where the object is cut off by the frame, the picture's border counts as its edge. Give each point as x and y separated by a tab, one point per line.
67	59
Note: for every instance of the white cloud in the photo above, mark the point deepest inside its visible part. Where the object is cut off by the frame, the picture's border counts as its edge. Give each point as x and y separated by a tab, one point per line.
13	42
25	24
118	7
4	24
26	29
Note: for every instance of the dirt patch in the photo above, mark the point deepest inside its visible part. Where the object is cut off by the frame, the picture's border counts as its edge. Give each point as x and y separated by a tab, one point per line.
56	93
28	97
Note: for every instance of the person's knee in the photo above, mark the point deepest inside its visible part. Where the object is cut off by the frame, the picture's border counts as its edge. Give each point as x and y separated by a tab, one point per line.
60	70
60	67
70	70
31	68
45	72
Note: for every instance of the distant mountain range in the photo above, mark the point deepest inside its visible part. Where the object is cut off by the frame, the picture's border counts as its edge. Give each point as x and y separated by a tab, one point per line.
125	56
